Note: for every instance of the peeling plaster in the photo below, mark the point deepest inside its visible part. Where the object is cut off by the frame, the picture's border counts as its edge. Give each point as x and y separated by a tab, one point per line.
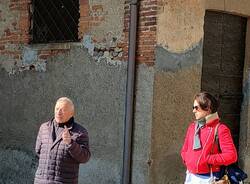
87	43
9	64
180	24
113	13
30	61
168	61
8	18
29	56
103	52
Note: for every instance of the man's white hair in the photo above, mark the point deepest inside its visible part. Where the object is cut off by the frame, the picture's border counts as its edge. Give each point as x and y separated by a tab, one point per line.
68	101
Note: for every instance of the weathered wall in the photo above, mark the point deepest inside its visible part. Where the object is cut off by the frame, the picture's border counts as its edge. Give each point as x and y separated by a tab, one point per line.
98	90
142	124
102	18
29	99
177	79
174	87
91	72
177	31
34	76
242	8
244	143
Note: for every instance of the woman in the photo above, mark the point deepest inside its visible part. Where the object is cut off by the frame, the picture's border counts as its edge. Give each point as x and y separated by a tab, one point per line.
197	153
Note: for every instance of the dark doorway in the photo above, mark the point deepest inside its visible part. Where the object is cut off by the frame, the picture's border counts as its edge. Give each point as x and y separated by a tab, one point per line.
223	62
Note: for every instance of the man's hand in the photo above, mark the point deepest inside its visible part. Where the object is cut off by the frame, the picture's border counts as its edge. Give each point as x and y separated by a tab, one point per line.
66	136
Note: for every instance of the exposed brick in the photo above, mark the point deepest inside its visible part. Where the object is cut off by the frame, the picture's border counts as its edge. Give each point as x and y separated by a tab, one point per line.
84	12
14	24
44	56
150	23
20	5
148	3
7	32
143	28
148	19
148	13
90	16
17	56
146	35
10	53
2	47
97	8
84	9
84	2
153	28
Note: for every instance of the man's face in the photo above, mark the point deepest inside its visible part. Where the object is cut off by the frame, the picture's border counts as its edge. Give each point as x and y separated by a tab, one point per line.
63	111
198	112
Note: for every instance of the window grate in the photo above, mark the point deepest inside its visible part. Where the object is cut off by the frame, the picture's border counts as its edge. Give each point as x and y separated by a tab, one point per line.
54	21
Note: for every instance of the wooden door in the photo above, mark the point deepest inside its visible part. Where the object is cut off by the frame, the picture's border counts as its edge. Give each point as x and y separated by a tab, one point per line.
223	62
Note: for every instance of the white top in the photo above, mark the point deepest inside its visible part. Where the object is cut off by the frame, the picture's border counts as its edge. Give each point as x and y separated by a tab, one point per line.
197	179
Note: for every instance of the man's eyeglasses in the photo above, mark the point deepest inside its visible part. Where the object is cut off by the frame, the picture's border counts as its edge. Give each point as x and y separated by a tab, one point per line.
196	107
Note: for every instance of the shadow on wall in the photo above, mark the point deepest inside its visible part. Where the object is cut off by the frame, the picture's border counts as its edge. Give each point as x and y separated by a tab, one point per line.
172	170
16	166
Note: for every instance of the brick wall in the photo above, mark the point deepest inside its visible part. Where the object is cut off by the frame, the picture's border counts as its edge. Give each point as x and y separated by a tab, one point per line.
146	35
18	31
90	16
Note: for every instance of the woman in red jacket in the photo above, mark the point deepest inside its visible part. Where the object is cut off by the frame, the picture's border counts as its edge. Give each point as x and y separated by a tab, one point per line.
197	151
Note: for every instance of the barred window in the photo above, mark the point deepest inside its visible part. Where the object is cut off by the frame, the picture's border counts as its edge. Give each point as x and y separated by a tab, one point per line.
54	21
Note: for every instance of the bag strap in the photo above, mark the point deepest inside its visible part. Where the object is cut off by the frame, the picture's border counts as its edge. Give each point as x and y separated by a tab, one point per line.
216	137
215	141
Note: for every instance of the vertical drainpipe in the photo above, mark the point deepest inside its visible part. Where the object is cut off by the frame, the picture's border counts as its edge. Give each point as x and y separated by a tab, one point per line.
129	109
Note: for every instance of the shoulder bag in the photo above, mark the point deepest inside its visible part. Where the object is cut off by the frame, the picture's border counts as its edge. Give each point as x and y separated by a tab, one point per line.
231	174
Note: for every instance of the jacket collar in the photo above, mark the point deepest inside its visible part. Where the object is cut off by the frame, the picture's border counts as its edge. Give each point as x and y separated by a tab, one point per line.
69	125
212	119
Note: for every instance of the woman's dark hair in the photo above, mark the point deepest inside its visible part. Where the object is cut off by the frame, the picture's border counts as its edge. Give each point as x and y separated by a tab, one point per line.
207	101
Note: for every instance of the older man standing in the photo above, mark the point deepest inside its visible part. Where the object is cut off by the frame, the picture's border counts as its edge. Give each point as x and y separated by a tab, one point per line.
61	145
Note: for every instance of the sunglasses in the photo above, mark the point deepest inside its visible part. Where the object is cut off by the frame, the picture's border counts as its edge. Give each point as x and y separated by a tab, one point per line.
196	107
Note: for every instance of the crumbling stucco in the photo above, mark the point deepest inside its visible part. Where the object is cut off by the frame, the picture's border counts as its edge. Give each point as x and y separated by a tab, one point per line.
177	78
180	24
98	91
107	52
8	18
29	61
113	13
173	97
142	124
167	61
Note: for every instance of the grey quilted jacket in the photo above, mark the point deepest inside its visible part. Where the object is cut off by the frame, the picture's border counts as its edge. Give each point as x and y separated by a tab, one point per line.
58	162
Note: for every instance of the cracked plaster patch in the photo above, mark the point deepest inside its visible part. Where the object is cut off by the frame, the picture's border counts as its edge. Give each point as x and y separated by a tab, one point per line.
7	17
107	52
30	61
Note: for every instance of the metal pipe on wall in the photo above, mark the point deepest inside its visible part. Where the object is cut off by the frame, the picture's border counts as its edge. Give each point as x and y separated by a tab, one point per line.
129	109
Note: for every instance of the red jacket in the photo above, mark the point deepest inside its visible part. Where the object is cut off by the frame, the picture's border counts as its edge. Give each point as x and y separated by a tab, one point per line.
198	161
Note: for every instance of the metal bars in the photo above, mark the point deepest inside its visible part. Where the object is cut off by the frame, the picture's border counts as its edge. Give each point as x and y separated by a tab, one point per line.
54	21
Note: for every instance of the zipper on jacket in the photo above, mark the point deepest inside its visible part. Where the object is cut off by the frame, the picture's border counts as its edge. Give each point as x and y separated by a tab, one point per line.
197	165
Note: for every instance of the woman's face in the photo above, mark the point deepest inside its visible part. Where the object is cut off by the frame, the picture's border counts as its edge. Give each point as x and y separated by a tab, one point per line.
198	112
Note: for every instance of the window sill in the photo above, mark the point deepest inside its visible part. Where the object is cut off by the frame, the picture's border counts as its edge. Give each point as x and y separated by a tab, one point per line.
54	46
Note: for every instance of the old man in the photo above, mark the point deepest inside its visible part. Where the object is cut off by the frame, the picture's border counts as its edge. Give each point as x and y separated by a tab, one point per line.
61	145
